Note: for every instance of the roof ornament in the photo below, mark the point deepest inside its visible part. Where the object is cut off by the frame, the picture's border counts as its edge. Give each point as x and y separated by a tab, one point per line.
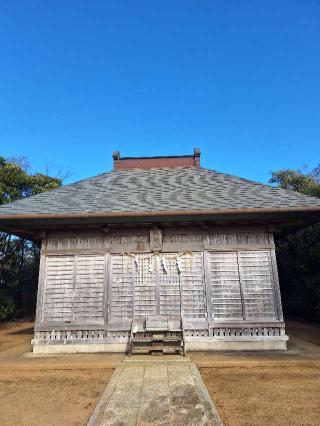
159	161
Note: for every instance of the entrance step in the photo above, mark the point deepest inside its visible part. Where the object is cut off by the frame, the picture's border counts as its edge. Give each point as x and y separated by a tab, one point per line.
165	339
156	323
143	358
156	350
156	337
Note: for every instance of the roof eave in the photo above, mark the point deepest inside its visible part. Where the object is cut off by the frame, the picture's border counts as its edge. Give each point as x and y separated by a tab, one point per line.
28	225
161	213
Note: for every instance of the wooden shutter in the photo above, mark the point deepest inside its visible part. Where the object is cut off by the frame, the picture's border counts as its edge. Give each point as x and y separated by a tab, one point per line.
122	287
224	286
257	284
58	289
193	286
145	286
74	289
169	285
89	289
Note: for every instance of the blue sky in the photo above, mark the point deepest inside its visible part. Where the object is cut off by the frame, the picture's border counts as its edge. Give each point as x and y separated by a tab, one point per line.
239	79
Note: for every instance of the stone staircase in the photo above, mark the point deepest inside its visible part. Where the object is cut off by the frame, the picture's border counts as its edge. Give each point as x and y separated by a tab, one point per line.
157	335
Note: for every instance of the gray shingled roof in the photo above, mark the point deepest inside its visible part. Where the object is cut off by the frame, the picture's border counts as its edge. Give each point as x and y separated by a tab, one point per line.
163	189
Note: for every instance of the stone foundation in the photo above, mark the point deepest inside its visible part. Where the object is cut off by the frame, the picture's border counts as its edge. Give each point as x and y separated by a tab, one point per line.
240	345
243	337
40	349
195	345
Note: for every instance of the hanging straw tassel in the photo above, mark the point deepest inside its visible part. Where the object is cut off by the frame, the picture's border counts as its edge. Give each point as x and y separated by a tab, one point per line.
164	264
151	269
179	266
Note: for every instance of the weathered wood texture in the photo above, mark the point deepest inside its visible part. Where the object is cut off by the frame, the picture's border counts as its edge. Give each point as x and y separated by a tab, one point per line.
209	276
171	239
224	286
193	289
242	285
59	289
145	300
257	284
88	302
169	285
121	281
74	289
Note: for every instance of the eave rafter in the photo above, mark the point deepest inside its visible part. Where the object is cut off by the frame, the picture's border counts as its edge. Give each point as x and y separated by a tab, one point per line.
33	226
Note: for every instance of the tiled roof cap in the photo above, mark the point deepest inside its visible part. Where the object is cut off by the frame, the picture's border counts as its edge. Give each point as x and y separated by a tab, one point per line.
172	161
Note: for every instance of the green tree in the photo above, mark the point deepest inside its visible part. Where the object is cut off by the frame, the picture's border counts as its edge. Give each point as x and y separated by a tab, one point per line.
307	183
19	258
298	252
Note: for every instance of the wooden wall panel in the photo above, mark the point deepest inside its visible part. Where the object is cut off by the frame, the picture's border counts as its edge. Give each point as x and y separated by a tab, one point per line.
224	286
193	286
239	282
121	282
238	238
169	285
257	284
74	289
145	285
75	243
89	289
58	289
242	285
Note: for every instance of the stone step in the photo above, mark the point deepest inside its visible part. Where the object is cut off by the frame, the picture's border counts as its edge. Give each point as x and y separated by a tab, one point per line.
156	345
158	349
156	339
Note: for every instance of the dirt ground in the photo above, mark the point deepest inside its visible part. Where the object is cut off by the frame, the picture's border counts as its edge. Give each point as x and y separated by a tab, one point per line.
249	388
274	395
53	391
278	389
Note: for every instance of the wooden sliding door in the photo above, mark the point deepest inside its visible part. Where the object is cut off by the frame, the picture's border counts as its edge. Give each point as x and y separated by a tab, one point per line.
149	284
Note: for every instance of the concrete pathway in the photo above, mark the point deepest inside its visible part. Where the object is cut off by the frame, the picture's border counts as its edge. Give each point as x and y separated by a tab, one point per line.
155	392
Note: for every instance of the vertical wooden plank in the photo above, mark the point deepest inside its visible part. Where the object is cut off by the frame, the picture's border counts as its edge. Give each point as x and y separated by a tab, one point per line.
208	287
192	286
241	290
276	285
122	287
157	281
107	285
88	302
39	309
225	286
169	285
145	289
74	285
258	291
58	289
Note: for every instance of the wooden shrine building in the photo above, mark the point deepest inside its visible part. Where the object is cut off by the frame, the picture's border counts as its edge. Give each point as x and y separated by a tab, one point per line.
159	254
